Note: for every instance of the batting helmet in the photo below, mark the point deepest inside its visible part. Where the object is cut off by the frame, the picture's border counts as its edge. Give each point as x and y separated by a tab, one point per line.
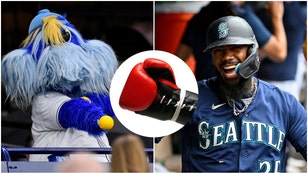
233	30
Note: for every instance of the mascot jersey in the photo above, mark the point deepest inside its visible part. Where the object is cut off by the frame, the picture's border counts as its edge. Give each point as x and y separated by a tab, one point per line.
48	132
215	140
66	80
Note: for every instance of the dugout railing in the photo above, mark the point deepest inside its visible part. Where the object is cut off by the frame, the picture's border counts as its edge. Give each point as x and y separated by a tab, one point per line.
9	165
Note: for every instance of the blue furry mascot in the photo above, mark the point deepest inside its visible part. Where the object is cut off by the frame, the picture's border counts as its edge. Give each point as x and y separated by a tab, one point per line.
66	80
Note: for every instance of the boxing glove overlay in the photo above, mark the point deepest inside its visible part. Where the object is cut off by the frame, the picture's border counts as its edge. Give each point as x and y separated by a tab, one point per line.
171	104
139	90
159	96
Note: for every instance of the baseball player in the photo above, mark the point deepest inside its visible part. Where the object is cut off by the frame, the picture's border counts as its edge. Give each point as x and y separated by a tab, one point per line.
241	123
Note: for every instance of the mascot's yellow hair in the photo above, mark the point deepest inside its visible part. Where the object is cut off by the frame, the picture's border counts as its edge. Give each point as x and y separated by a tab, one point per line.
52	32
30	38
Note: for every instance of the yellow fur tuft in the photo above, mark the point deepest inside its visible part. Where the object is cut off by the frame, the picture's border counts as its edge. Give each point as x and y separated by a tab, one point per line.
30	38
52	30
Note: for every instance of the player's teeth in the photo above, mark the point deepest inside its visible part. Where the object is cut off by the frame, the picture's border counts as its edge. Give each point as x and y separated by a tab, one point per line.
230	67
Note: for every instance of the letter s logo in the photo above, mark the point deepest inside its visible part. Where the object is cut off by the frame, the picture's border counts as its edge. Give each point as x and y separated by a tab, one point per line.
204	135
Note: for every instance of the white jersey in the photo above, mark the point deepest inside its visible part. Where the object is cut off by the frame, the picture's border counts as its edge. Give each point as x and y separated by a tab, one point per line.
47	131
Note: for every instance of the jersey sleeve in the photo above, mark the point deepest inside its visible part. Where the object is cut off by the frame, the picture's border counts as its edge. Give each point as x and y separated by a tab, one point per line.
297	134
45	111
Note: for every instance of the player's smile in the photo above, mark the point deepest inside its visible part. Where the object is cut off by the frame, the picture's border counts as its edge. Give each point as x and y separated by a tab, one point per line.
227	69
226	58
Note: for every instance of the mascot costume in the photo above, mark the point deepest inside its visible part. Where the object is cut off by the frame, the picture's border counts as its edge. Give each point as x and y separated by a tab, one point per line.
66	80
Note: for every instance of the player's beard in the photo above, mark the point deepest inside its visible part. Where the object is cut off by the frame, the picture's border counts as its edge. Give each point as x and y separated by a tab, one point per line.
236	91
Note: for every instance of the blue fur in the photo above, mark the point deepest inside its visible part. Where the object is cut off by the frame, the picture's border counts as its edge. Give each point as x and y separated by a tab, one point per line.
87	64
37	45
103	101
18	71
63	67
76	38
104	62
82	115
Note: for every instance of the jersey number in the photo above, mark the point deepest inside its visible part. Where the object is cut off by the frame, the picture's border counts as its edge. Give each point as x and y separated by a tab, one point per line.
265	166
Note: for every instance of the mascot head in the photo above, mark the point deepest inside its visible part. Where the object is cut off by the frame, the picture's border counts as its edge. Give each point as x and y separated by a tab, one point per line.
55	57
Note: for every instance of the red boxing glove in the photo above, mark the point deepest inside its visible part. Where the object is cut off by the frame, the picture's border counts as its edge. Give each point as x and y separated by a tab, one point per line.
135	96
151	90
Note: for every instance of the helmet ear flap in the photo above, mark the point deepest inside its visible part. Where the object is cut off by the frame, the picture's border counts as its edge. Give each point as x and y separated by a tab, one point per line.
251	65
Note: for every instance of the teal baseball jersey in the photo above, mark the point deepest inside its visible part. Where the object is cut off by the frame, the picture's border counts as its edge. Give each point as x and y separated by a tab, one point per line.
217	140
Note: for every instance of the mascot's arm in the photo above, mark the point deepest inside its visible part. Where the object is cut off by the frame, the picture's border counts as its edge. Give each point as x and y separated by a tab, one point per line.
102	101
83	114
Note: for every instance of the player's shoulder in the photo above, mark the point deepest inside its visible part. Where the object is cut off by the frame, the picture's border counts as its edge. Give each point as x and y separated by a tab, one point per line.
208	87
269	89
206	83
266	85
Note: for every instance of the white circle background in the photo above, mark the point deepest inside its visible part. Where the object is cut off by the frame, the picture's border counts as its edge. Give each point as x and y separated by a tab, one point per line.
140	124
